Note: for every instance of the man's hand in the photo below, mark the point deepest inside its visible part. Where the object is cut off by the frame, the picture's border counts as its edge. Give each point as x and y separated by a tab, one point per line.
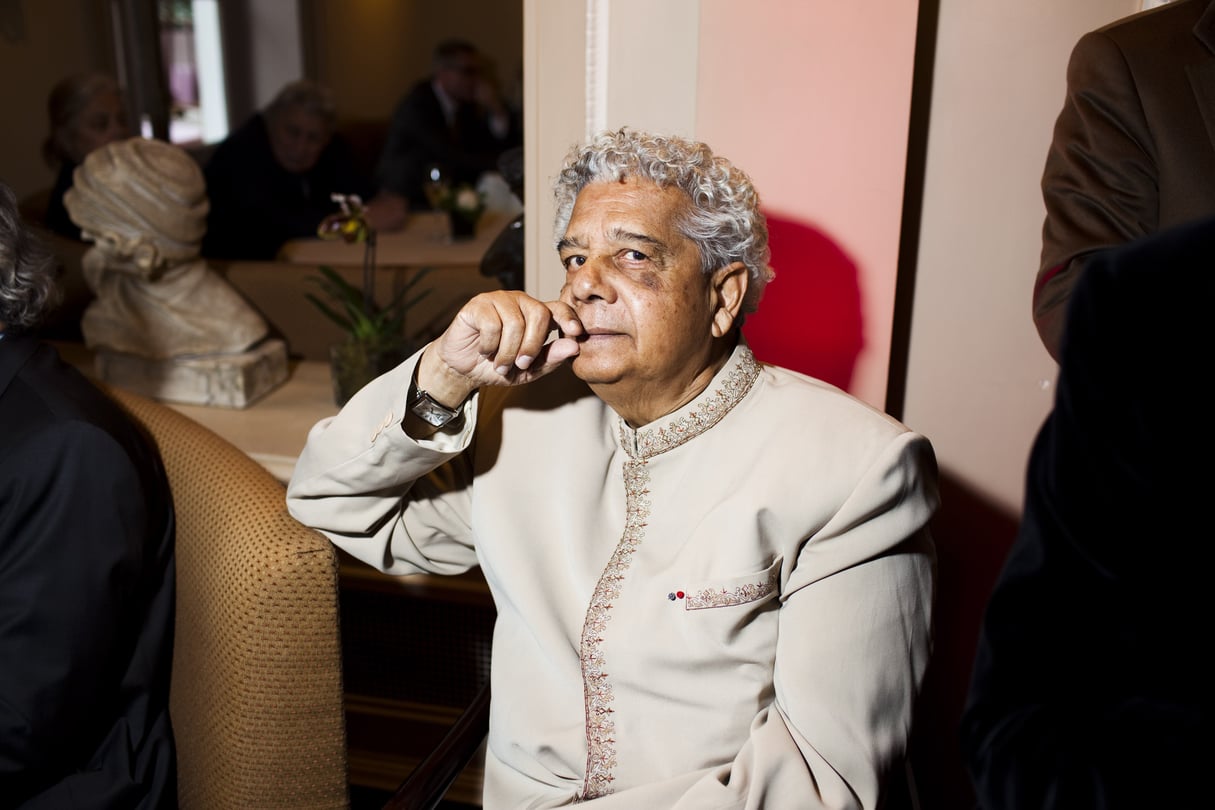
498	338
486	94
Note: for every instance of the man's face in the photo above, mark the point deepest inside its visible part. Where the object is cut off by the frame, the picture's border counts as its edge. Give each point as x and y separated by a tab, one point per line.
636	284
297	138
459	78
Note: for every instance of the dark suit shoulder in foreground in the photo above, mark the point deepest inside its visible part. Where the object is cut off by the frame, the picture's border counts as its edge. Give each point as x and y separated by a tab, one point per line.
86	595
1088	689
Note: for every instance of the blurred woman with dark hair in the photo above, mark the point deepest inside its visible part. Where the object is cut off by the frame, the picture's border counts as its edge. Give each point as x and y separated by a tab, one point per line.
84	111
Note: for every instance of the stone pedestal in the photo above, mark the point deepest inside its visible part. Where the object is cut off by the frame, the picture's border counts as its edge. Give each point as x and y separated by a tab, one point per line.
221	380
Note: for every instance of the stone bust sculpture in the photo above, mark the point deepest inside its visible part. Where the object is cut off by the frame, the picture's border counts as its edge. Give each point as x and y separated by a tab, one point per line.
143	203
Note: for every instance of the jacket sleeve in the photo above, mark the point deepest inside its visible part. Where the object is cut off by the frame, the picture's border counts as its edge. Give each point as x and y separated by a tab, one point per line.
854	639
1100	180
399	505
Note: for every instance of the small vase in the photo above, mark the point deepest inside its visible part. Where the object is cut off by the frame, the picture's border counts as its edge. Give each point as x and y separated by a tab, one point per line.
463	226
353	365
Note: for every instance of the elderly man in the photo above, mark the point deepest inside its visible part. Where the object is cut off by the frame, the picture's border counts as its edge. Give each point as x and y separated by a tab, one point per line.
272	179
712	580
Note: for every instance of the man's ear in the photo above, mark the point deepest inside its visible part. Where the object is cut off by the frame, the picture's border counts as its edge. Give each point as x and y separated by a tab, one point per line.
729	288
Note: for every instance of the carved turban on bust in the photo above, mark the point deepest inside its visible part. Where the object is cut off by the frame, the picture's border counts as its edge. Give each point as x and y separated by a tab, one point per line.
139	197
143	204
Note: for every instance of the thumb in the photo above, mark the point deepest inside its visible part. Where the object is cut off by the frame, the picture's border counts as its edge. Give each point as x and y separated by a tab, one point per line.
553	356
561	349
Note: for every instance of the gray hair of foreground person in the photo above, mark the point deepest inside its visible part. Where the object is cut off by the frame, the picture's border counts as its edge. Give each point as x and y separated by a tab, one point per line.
308	95
723	218
27	276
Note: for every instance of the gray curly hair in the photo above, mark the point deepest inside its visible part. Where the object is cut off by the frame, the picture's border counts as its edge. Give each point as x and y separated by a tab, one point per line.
723	220
27	270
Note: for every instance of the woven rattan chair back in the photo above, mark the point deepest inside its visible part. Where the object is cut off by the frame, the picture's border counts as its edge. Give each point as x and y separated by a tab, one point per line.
256	695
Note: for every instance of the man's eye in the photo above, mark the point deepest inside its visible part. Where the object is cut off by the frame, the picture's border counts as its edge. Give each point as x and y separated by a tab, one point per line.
634	256
572	262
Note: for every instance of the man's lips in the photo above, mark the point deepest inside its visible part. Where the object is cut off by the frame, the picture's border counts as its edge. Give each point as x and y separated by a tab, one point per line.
597	333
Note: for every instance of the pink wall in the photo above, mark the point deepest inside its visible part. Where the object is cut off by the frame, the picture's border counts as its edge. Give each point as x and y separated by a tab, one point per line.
828	159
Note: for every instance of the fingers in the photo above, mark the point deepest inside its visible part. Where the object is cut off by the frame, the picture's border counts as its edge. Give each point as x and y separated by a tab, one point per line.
513	333
487	95
562	318
553	356
498	335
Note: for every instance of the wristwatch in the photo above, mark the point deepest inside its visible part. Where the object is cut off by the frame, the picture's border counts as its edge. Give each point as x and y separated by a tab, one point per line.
431	412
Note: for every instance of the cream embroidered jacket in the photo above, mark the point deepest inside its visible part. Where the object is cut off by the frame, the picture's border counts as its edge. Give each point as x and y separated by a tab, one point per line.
728	608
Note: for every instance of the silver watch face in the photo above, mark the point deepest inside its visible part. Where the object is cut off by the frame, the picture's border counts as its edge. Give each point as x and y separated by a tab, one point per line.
432	412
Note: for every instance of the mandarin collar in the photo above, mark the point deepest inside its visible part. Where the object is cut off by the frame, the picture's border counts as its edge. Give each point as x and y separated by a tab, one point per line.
727	388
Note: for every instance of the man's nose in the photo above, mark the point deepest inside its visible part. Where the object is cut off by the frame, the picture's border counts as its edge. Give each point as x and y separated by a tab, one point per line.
591	282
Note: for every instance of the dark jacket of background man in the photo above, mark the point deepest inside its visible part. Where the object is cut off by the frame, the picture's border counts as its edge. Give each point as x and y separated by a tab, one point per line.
421	135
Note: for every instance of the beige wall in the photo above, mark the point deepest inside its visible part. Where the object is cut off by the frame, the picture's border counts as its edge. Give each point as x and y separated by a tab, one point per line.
757	81
42	41
276	57
812	100
979	382
769	95
371	51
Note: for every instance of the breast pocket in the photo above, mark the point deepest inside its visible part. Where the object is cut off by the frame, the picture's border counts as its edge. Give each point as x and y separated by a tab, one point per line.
749	589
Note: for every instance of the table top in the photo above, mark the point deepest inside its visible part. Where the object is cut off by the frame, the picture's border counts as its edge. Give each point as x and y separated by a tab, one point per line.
272	431
424	241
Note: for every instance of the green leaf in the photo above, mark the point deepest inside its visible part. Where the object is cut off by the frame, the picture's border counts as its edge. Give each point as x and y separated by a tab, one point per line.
381	327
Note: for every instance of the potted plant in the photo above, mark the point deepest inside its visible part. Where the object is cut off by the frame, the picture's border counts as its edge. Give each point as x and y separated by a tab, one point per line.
463	204
374	339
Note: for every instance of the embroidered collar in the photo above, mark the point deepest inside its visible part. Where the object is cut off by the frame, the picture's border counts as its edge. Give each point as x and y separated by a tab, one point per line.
725	391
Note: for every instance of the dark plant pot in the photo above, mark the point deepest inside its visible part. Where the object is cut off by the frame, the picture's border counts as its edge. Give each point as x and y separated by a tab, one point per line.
462	226
353	365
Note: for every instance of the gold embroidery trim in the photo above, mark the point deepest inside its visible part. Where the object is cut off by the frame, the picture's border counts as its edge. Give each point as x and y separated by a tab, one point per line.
596	687
709	412
726	597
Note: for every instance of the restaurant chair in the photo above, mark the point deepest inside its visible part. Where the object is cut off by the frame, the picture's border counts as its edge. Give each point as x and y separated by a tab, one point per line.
256	696
426	785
